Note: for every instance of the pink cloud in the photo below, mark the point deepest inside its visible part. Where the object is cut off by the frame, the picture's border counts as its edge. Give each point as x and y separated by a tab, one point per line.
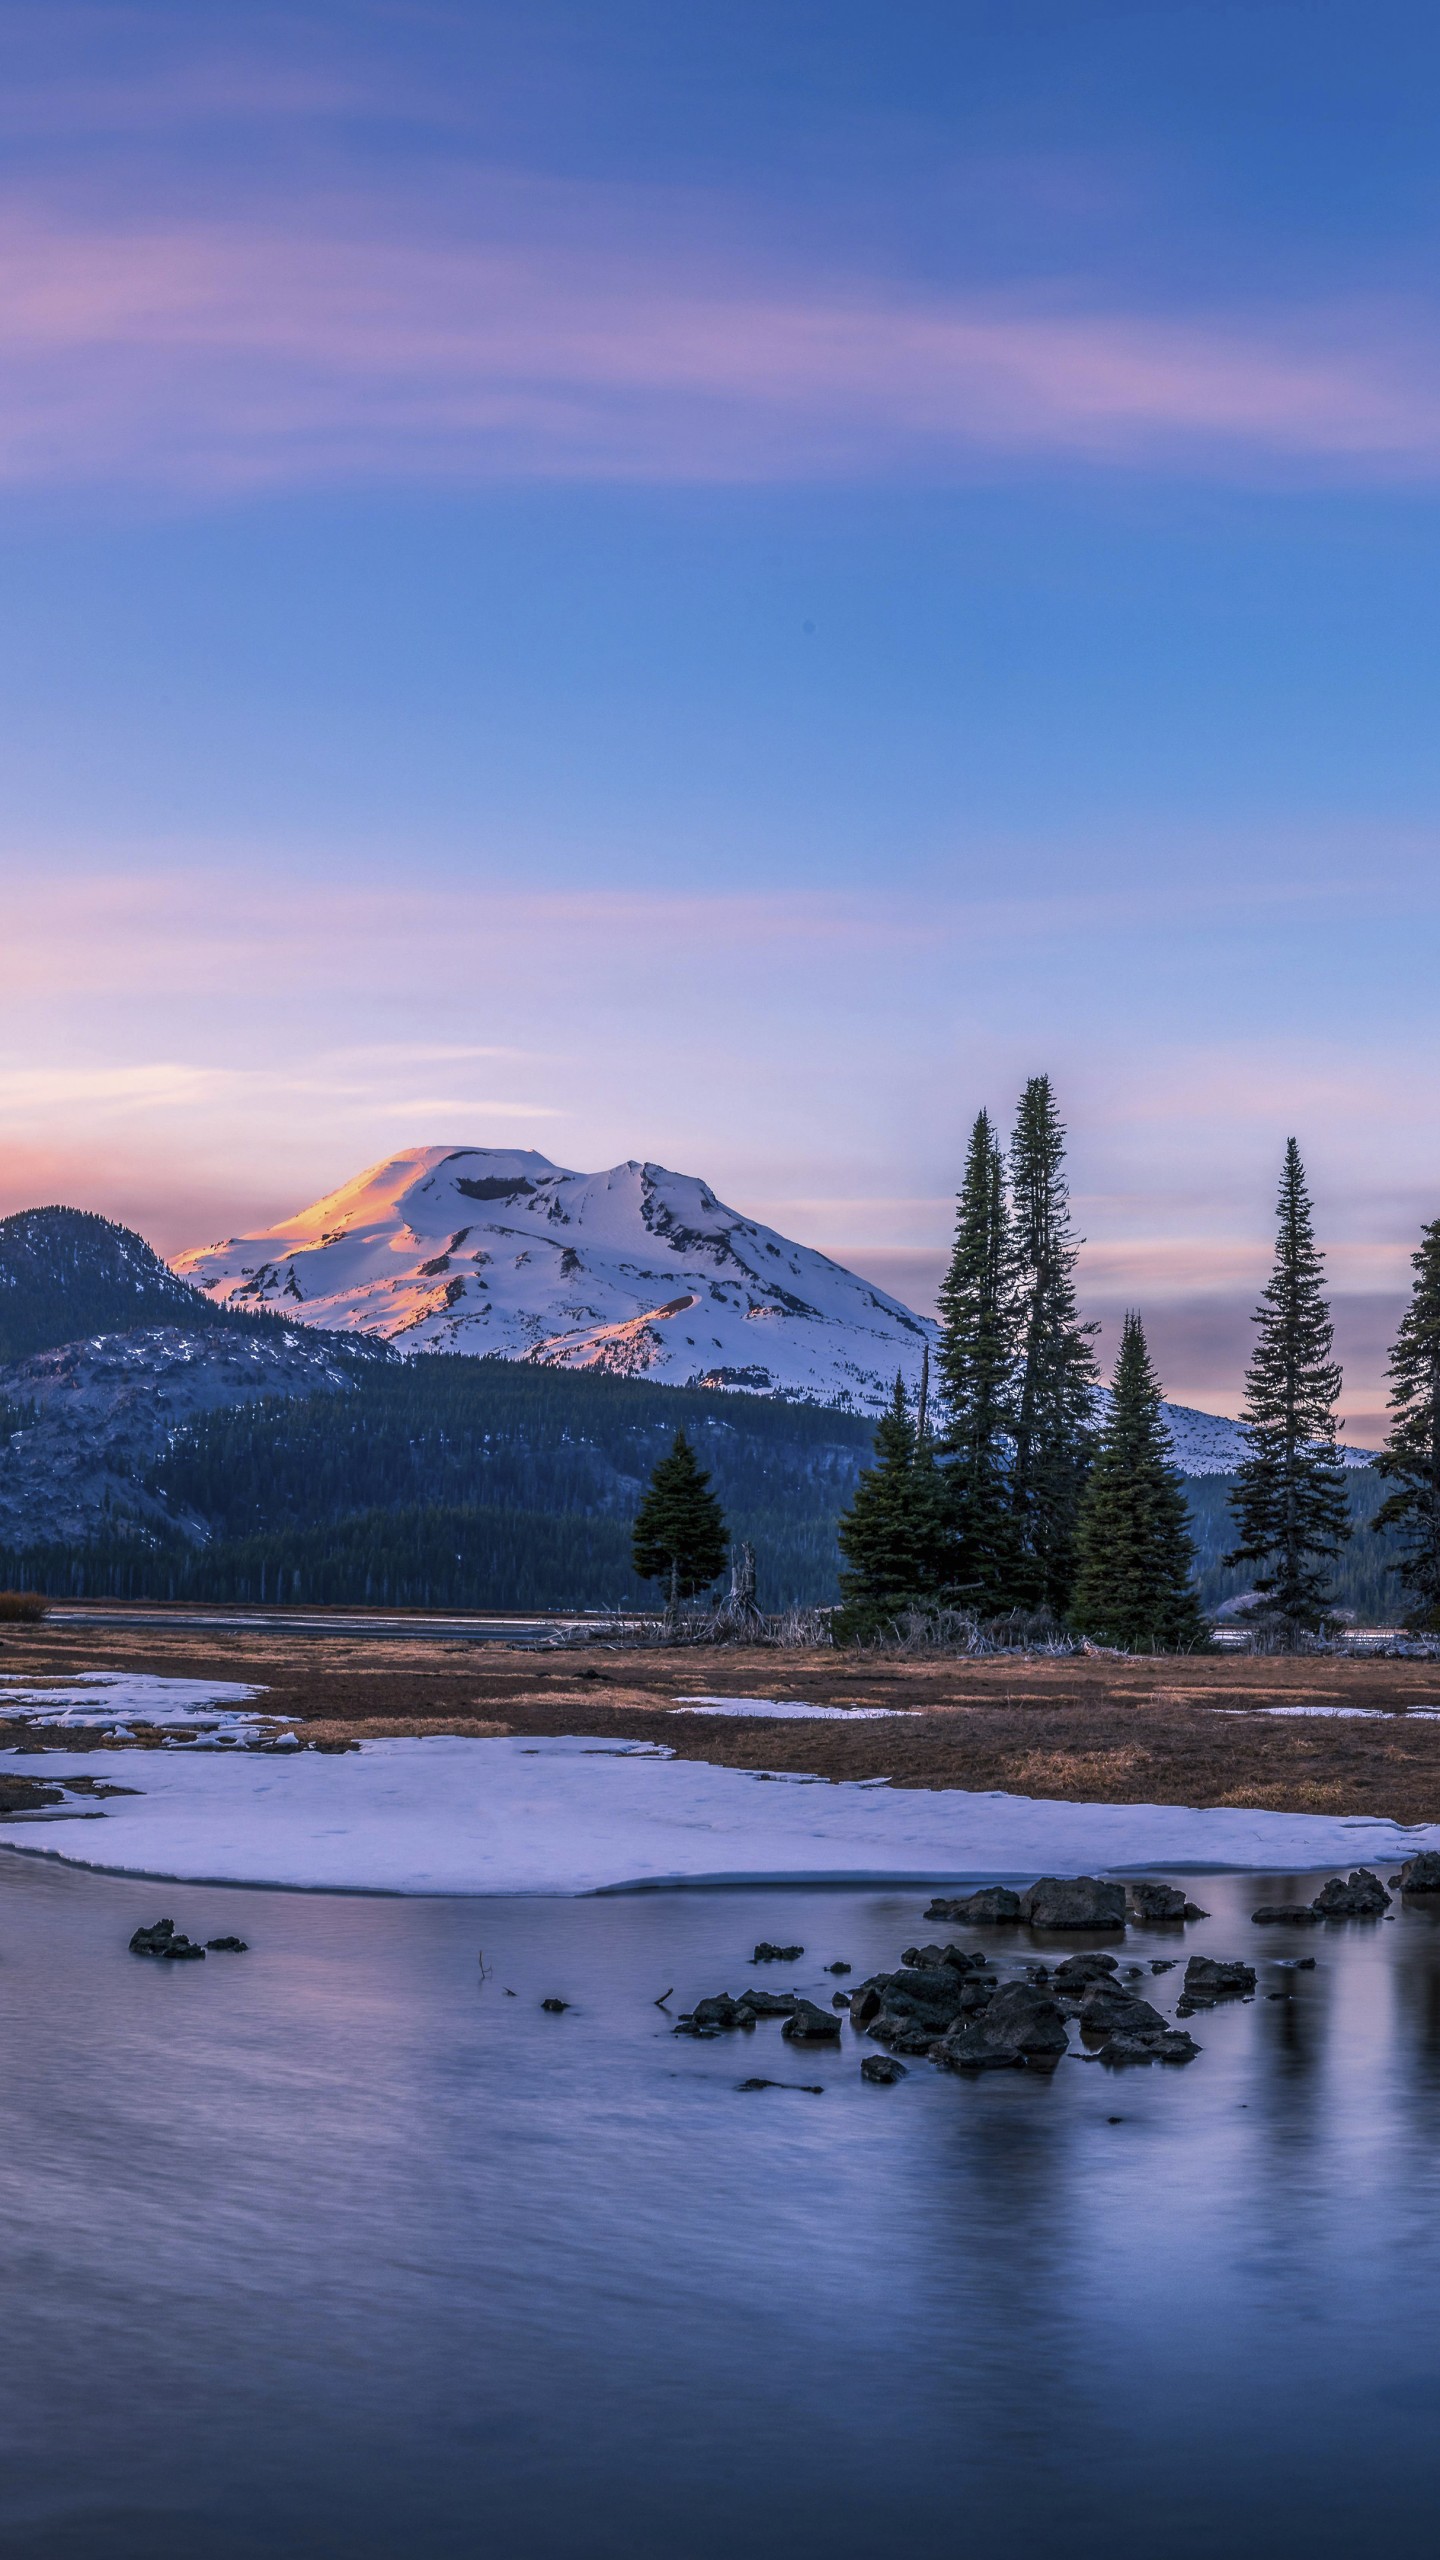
228	353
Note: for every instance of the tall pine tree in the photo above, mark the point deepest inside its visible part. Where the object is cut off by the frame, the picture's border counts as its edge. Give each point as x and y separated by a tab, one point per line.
1055	1377
894	1536
1289	1498
976	1360
679	1536
1411	1455
1135	1558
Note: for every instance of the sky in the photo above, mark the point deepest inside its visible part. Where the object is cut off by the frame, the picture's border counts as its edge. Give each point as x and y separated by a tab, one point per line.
722	585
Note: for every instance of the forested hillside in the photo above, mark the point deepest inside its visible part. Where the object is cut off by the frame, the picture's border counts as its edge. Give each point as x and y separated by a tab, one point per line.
1364	1578
452	1482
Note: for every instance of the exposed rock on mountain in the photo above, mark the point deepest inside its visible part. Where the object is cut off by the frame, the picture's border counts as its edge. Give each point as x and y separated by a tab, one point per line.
637	1271
93	1415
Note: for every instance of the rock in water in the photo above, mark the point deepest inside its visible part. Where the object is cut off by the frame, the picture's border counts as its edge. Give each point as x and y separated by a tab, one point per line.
1074	1902
766	1954
1077	1972
555	2007
993	1906
765	2004
1420	1874
808	2025
1171	2044
911	2010
162	1938
712	2017
228	1946
1021	2027
1106	2010
883	2069
929	1959
1147	1901
1212	1978
1362	1896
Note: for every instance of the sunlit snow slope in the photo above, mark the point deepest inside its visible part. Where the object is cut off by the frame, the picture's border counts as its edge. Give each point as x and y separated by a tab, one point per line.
637	1271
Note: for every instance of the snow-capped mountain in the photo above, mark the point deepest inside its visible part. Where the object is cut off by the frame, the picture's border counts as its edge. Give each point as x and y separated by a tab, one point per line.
638	1271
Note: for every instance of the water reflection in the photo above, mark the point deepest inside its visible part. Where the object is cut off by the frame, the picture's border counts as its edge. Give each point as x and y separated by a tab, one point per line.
339	2249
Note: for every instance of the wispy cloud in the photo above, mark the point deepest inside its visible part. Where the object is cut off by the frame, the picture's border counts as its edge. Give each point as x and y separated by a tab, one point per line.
331	343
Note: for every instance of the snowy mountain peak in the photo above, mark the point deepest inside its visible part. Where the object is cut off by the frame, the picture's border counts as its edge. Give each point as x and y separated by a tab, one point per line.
636	1270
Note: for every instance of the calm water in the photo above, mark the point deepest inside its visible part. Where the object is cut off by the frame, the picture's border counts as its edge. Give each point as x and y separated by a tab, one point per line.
334	2249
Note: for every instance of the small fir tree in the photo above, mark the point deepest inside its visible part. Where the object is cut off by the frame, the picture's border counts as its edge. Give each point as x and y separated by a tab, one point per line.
1135	1558
893	1537
1053	1403
680	1536
976	1361
1411	1455
1289	1499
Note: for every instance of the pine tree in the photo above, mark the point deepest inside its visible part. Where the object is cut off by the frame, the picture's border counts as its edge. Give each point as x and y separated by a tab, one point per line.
893	1537
1289	1498
976	1360
1056	1377
680	1536
1135	1558
1411	1455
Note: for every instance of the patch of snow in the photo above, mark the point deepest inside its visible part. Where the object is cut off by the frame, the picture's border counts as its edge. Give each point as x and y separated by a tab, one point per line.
512	1816
1386	1715
785	1710
98	1698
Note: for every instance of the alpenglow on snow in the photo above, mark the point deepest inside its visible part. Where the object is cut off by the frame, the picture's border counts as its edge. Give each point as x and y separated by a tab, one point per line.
637	1271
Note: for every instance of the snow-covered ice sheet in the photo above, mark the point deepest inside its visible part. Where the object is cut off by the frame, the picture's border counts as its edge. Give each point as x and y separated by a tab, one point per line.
563	1815
784	1710
101	1699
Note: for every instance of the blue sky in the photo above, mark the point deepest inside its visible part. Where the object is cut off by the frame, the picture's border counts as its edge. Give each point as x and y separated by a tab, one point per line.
722	585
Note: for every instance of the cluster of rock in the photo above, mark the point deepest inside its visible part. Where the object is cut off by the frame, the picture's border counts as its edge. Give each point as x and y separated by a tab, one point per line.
162	1938
722	2014
1358	1896
1067	1902
946	2005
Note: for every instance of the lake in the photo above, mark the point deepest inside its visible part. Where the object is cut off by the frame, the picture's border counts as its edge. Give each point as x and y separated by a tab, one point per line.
335	2249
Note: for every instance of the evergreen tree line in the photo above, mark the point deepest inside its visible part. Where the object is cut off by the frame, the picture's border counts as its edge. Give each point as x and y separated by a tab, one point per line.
1019	1491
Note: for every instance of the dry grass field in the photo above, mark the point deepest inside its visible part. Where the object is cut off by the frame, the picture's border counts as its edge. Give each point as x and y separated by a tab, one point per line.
1178	1731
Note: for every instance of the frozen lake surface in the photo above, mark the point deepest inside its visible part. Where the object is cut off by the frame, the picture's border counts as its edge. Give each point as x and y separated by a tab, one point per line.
333	2251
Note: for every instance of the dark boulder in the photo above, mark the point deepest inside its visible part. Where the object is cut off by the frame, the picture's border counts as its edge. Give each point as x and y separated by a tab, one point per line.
162	1938
1171	2044
808	2025
992	1907
929	1959
1147	1901
1106	2010
228	1946
766	2004
716	2016
556	2008
1021	2027
1295	1912
1212	1978
1074	1902
766	1954
839	1968
1077	1971
911	2010
1361	1896
1420	1874
883	2069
